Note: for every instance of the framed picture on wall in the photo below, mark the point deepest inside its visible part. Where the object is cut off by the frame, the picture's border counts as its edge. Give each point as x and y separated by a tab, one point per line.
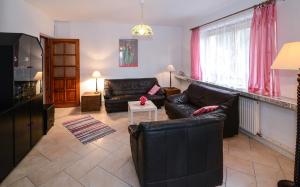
128	53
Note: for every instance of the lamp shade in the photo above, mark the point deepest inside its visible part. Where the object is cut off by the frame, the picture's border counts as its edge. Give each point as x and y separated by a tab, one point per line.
96	74
171	68
142	30
38	76
288	57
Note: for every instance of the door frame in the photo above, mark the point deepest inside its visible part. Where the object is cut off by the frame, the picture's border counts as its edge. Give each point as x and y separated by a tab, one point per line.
48	98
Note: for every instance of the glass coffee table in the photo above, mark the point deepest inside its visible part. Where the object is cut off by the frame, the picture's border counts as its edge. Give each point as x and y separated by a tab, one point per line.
134	106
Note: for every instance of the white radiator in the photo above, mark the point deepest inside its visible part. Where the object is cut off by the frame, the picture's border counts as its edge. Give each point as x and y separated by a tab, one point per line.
249	115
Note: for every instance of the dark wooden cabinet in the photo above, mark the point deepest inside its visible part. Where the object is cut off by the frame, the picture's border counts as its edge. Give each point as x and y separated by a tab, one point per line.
22	130
37	123
6	143
21	101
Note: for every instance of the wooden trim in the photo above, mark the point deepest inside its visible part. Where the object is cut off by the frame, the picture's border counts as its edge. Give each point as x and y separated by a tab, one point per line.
46	65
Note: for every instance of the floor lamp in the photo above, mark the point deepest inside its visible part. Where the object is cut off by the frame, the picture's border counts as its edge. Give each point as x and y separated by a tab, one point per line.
289	59
171	69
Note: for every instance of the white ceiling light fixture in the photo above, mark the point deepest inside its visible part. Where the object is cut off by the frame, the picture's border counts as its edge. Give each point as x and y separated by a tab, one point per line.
142	30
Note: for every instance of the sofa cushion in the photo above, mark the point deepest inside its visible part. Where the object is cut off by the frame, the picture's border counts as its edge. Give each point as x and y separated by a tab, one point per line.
155	97
154	90
123	98
202	95
180	110
205	109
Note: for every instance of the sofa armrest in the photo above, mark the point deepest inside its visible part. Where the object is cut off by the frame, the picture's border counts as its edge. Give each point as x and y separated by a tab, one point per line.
160	92
107	93
182	123
133	130
178	98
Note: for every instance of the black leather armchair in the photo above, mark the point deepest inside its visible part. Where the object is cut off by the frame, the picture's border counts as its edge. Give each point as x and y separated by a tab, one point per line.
179	153
198	95
117	93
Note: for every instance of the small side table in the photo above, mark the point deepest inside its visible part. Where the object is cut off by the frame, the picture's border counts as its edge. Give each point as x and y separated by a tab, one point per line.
90	101
171	91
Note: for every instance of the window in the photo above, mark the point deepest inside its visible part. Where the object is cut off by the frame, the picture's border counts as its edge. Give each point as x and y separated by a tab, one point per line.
224	52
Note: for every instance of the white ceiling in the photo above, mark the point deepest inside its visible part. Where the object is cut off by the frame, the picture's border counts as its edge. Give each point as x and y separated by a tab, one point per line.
159	12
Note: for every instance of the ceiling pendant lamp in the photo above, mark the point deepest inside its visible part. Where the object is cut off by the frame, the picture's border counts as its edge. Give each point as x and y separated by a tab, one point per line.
142	30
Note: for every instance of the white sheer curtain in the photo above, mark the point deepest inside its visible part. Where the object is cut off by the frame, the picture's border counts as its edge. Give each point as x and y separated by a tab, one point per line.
224	52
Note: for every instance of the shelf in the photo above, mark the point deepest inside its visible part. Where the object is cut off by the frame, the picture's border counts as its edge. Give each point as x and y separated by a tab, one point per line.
283	102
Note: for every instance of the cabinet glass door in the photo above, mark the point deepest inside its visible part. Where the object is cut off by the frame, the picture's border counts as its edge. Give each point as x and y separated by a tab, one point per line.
36	70
22	86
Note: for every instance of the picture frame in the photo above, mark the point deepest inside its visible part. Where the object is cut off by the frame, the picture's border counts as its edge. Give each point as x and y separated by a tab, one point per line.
128	53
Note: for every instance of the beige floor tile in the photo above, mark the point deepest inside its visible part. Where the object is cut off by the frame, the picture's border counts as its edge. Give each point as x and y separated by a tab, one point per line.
44	174
108	144
224	174
127	173
241	153
81	167
266	159
54	151
116	160
259	147
16	174
29	164
255	155
24	182
100	178
81	149
240	141
238	179
286	164
267	176
60	180
225	147
238	164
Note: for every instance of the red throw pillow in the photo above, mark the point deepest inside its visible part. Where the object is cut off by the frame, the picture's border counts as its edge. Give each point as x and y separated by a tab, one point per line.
154	90
205	109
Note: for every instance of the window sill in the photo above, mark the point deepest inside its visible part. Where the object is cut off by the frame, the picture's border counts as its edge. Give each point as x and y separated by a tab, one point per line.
283	102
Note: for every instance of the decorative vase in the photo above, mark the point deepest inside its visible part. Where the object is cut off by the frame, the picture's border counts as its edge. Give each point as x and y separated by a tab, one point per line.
143	100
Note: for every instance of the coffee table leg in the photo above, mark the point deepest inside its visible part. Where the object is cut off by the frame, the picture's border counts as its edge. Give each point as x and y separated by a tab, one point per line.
150	115
131	117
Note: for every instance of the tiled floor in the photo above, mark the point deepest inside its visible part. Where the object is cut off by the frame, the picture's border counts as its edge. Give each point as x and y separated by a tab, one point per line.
60	160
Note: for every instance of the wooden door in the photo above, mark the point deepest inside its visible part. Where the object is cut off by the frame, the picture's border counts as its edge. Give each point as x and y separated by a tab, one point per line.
65	72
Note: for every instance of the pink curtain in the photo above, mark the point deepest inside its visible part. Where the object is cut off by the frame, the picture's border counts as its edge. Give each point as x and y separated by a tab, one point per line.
263	50
196	71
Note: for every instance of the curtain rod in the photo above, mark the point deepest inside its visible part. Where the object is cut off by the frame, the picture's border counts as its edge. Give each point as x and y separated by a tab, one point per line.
258	5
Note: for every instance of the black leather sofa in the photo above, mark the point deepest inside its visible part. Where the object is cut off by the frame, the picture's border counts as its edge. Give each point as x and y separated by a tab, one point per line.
198	95
179	153
117	93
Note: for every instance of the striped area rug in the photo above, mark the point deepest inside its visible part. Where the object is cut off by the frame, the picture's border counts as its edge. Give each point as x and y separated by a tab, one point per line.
87	129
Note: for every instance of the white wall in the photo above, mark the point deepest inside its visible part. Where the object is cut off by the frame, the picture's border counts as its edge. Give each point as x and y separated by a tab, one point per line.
277	125
21	17
99	49
288	31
